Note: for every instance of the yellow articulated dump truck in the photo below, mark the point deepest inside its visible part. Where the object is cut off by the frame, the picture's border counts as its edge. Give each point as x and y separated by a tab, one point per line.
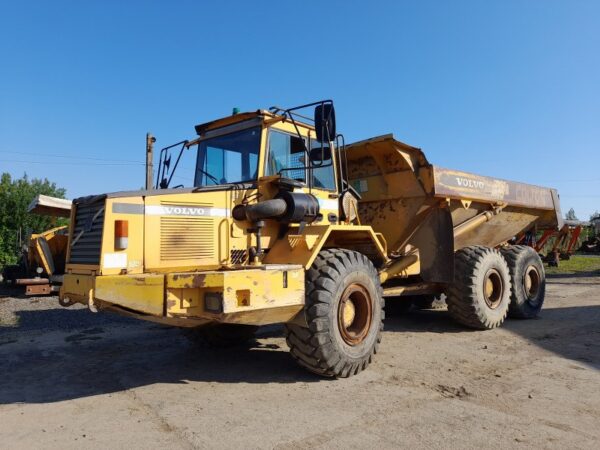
286	224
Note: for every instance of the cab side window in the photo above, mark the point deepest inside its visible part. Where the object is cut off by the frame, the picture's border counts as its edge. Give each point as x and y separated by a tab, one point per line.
323	176
287	156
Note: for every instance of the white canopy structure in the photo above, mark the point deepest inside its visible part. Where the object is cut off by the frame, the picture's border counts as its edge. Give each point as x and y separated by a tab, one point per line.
50	206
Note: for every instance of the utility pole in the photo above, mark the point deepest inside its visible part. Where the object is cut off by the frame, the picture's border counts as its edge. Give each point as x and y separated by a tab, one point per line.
150	140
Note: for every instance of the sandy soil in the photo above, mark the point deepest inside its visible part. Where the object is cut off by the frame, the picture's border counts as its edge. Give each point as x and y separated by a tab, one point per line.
73	379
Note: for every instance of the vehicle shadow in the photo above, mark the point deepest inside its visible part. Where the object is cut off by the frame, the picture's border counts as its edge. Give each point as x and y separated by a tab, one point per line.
67	361
13	291
425	321
79	354
572	332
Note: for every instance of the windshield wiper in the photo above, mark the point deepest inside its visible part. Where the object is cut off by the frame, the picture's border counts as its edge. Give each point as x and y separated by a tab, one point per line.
209	176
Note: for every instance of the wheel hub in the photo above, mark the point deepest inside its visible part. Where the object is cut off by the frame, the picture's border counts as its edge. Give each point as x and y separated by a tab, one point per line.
354	314
493	288
349	313
532	281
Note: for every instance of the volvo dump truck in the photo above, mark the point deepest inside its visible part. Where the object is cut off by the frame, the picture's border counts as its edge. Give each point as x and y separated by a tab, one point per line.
286	224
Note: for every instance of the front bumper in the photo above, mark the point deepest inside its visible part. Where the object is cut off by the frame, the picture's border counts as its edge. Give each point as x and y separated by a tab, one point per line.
257	296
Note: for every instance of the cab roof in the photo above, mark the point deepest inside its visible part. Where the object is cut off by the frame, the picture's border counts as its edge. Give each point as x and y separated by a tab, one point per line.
261	114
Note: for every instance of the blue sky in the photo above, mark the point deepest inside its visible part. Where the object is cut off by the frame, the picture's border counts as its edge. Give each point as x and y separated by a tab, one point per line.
502	88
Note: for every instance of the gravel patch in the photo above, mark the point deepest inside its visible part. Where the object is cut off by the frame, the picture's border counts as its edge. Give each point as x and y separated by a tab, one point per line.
44	314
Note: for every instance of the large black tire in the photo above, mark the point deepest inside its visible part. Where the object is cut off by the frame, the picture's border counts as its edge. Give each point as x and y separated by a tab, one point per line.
344	313
480	295
528	281
220	335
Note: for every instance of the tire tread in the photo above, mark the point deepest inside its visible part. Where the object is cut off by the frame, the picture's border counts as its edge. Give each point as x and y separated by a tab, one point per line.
312	347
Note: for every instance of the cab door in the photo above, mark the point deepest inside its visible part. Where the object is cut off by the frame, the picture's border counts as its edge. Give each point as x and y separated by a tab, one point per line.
286	155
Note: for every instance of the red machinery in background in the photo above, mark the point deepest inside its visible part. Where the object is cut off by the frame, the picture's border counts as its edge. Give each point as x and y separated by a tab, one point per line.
564	243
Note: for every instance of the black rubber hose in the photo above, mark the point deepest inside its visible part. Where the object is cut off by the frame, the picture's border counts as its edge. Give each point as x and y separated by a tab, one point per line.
268	209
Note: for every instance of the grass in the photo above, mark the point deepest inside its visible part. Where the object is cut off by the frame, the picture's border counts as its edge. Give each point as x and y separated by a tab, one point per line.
578	264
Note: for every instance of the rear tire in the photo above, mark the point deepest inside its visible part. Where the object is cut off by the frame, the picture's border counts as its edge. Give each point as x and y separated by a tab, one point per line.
222	335
528	281
480	295
344	312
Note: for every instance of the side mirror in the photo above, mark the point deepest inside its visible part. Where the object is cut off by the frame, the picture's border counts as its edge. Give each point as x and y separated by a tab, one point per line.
164	183
325	122
320	155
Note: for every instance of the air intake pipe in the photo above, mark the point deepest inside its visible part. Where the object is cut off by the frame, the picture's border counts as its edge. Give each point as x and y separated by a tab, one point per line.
286	207
268	209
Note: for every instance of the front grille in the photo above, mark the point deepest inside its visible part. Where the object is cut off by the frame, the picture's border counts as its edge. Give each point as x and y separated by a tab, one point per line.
86	240
186	238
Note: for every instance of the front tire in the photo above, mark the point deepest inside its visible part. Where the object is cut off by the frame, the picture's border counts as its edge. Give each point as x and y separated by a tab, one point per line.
344	312
528	281
480	295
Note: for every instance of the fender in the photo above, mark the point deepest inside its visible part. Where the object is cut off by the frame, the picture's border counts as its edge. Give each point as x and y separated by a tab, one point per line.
303	248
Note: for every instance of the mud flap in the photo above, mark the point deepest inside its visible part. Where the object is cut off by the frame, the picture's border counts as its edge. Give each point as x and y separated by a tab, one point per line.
435	241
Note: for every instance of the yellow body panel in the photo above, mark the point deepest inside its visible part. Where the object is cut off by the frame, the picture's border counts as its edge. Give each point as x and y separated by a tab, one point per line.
130	260
187	240
143	293
78	288
303	249
251	296
48	250
271	294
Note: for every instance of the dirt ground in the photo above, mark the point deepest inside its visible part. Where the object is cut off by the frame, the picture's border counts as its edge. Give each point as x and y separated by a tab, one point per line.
74	379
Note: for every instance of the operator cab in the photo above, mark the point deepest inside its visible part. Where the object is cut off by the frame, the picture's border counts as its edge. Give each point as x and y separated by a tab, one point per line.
243	148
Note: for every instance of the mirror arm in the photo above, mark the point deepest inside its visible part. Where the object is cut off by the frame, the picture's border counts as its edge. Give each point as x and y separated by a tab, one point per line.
160	175
183	147
309	104
342	162
160	167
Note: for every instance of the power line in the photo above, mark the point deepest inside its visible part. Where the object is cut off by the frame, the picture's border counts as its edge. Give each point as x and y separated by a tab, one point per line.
571	181
67	163
55	155
578	195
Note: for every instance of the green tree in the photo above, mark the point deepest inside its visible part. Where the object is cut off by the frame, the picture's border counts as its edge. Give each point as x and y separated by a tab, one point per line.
15	196
571	215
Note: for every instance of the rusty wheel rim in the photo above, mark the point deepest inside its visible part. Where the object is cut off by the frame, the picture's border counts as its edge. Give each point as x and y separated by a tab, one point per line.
354	314
532	282
493	288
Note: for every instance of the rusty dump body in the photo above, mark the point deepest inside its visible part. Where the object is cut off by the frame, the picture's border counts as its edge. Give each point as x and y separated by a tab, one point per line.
426	213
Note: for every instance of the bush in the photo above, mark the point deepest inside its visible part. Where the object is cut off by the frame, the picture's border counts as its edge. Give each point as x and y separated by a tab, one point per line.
15	196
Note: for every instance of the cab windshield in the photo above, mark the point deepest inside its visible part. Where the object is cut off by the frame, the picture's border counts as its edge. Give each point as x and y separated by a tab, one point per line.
230	158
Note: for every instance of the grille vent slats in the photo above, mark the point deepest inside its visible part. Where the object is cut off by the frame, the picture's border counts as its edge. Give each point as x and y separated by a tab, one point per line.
87	248
186	237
